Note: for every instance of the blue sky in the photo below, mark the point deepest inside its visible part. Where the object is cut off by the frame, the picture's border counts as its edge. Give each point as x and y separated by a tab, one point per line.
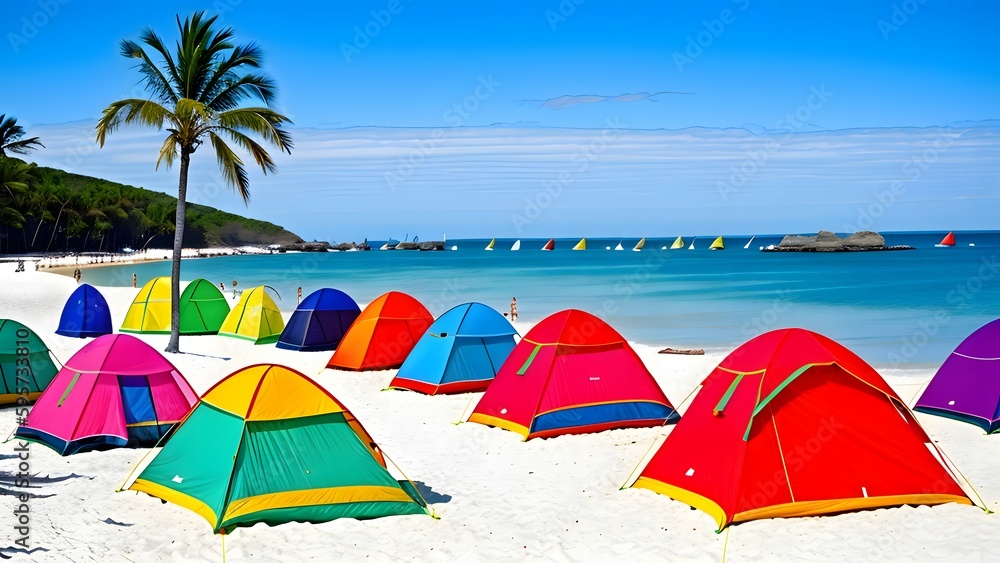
436	65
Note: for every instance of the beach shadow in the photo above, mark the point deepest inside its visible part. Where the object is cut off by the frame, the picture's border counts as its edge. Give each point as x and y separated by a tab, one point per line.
115	523
204	356
8	478
10	552
430	495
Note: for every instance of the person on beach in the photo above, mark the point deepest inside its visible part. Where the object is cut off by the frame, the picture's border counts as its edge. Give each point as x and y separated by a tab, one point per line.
222	286
300	294
134	279
513	308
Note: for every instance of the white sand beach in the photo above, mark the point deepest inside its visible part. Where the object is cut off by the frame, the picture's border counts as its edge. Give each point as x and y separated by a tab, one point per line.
498	498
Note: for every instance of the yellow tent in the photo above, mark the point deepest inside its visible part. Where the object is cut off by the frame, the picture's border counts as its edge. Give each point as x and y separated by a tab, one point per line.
150	310
255	318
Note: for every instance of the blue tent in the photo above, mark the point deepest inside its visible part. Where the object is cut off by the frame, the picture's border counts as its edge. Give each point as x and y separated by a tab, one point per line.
86	313
460	352
319	322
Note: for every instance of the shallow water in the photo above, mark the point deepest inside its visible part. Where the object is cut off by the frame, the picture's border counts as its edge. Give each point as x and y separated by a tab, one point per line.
900	309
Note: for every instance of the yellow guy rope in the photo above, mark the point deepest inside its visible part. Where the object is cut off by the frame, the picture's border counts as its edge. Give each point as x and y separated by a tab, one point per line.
655	438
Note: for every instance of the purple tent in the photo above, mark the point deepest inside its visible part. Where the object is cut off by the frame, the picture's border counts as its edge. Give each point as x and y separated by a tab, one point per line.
967	387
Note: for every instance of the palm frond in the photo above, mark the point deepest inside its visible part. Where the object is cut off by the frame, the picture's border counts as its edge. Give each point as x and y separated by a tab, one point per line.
167	152
131	111
234	90
10	137
22	146
259	153
263	121
153	78
231	167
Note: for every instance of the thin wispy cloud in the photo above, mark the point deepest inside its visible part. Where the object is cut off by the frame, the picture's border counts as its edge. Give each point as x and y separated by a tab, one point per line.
469	181
566	101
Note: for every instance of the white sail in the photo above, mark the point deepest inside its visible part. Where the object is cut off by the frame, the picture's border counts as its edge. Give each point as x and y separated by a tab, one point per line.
517	245
619	247
692	245
748	242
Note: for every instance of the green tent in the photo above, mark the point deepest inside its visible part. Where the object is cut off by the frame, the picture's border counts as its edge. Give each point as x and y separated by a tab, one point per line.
203	308
267	444
26	365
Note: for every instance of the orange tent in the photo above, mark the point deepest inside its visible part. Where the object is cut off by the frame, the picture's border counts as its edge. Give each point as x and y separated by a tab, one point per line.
793	424
383	335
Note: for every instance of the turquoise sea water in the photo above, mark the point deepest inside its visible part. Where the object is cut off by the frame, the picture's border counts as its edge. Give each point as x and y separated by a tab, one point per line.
900	309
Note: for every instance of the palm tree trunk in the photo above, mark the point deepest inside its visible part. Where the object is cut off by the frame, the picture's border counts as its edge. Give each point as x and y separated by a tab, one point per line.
175	270
37	228
55	226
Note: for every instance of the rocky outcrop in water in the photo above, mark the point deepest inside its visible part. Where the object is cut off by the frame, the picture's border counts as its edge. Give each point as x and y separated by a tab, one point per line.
425	245
826	241
306	247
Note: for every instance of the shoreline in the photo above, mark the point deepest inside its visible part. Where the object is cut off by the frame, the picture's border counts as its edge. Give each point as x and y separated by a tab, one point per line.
905	371
65	264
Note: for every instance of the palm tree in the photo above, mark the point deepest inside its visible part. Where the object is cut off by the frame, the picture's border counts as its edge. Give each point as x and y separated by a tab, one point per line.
10	137
15	178
196	93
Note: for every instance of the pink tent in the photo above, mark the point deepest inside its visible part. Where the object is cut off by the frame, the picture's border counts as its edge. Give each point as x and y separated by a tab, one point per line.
116	391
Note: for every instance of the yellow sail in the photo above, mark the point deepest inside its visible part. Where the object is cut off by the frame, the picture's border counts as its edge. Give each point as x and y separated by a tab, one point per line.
639	245
490	245
582	245
717	245
679	243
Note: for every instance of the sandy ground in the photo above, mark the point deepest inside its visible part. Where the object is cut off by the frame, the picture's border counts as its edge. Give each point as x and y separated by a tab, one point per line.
66	264
499	499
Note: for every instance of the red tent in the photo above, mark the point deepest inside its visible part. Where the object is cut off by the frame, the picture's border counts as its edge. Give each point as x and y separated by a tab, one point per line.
794	424
572	374
383	335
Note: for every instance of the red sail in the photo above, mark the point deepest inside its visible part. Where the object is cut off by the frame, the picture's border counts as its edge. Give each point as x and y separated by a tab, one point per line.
551	245
948	240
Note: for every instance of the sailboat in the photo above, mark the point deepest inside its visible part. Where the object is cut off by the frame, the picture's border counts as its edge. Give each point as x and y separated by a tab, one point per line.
747	245
490	245
717	245
516	245
551	245
582	245
692	244
947	242
619	247
679	243
638	246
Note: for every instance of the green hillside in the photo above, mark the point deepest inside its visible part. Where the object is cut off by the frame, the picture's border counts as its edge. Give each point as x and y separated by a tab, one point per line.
57	211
